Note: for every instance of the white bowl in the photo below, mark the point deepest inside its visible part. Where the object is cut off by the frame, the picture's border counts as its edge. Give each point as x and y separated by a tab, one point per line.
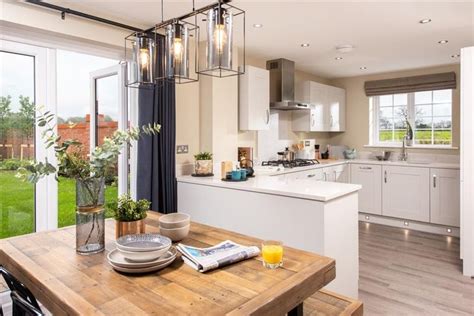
175	234
143	242
143	256
116	258
174	220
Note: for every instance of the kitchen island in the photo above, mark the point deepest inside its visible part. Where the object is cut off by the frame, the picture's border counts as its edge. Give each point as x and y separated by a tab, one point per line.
321	217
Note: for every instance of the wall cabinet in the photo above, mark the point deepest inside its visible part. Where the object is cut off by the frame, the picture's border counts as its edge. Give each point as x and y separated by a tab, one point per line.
370	178
254	99
327	112
445	198
406	193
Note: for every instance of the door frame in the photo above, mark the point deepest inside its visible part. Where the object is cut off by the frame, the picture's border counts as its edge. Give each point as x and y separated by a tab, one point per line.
46	203
119	70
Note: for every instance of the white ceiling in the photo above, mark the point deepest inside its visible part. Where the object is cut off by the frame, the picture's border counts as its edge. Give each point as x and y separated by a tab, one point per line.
386	34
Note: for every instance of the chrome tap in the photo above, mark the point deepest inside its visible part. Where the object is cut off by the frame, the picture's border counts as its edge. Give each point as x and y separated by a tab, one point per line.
404	153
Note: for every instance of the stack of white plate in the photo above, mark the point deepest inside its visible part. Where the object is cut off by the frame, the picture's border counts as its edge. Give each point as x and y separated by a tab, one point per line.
142	253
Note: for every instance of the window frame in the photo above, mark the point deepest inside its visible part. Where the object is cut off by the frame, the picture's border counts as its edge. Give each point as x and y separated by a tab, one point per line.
374	127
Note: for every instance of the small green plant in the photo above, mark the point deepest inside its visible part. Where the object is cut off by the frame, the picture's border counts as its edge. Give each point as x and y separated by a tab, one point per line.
203	156
14	164
128	210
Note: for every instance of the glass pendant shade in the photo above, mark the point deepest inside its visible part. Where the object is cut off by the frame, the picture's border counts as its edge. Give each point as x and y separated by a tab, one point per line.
142	65
219	33
177	54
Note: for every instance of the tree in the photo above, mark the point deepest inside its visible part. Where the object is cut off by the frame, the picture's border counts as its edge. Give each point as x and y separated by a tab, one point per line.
5	113
27	117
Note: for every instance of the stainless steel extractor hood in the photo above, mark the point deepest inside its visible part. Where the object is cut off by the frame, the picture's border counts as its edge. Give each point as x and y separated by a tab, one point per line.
282	86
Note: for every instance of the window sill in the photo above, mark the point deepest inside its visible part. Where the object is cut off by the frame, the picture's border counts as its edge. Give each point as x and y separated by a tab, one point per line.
414	146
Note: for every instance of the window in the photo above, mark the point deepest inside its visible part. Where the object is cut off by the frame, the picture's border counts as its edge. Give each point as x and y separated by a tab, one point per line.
429	114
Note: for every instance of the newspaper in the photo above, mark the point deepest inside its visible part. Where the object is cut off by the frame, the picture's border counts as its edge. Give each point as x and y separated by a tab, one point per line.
220	255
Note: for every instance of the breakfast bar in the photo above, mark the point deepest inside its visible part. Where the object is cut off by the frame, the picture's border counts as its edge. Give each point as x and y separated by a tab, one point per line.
68	283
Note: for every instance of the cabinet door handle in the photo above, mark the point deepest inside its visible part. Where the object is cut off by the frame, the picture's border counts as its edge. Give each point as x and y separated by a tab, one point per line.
268	115
311	175
434	181
385	176
335	175
325	176
365	168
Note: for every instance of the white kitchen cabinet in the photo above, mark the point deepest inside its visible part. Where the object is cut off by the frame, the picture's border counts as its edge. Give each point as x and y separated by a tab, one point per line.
338	173
370	178
445	198
406	193
327	113
254	99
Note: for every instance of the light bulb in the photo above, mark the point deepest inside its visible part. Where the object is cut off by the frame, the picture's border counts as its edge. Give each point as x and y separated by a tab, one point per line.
177	49
220	37
144	58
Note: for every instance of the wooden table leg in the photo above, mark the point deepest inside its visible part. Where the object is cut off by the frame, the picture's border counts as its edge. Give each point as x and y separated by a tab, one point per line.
297	311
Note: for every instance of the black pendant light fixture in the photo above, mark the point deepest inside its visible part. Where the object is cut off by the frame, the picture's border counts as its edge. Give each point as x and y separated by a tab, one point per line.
142	48
221	42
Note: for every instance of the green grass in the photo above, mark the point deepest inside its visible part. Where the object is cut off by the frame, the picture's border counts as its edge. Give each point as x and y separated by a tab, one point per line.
442	137
17	204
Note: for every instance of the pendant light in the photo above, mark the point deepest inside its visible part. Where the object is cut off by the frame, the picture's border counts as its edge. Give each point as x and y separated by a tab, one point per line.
142	66
220	45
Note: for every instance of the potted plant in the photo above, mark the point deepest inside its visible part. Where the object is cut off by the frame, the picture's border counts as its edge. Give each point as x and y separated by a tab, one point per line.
203	163
89	173
129	215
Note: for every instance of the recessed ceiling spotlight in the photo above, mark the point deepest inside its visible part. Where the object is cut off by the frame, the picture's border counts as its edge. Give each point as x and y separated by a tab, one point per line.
424	21
455	56
443	42
257	25
338	58
305	45
363	68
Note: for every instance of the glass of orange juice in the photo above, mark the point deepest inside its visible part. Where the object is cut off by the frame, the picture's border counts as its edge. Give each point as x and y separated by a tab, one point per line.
272	254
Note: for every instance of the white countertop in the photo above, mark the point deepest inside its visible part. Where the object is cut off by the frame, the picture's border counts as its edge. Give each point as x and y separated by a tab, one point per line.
304	189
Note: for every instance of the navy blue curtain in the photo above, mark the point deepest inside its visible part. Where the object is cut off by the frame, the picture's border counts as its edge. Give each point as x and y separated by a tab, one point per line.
156	172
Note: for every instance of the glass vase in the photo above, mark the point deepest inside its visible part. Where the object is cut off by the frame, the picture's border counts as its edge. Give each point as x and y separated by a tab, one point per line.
90	216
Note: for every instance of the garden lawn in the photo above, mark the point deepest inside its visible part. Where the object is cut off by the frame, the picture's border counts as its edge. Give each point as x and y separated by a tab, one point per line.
17	203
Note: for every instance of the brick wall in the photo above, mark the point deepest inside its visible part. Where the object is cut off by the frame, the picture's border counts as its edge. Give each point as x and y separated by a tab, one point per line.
80	132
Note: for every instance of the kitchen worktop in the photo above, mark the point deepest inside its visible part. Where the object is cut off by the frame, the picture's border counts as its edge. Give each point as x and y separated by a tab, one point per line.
304	189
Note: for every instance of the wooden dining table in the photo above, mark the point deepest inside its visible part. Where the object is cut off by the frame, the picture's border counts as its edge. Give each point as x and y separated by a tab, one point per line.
68	283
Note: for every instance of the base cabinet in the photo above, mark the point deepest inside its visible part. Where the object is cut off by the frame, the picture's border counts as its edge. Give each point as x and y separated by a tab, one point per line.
406	193
370	178
445	198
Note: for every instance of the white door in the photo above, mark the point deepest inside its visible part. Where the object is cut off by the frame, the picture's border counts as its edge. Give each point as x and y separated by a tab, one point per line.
445	204
406	193
336	109
26	83
319	97
370	196
109	112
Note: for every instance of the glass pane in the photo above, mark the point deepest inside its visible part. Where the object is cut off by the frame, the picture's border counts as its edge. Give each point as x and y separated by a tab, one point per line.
17	139
442	96
443	109
423	110
400	112
400	124
423	137
423	122
400	99
386	100
399	134
385	136
442	137
441	122
107	92
73	93
385	123
386	112
423	97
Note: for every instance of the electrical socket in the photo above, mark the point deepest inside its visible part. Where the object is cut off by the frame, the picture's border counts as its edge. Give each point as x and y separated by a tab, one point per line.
182	149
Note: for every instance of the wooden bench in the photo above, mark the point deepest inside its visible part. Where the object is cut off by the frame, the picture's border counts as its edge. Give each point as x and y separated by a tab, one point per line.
329	303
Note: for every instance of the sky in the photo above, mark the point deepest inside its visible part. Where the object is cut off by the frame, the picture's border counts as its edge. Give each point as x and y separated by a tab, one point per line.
73	82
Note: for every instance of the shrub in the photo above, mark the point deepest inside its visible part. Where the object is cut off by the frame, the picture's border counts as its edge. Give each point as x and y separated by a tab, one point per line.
126	209
14	164
203	156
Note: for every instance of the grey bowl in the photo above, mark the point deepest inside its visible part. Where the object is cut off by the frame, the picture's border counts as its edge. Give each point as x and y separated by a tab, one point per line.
143	242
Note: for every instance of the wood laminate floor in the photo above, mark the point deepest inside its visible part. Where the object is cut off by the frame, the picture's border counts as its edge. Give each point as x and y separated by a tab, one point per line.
405	272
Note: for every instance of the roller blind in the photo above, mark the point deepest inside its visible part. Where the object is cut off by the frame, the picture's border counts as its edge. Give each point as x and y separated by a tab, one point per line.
440	81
